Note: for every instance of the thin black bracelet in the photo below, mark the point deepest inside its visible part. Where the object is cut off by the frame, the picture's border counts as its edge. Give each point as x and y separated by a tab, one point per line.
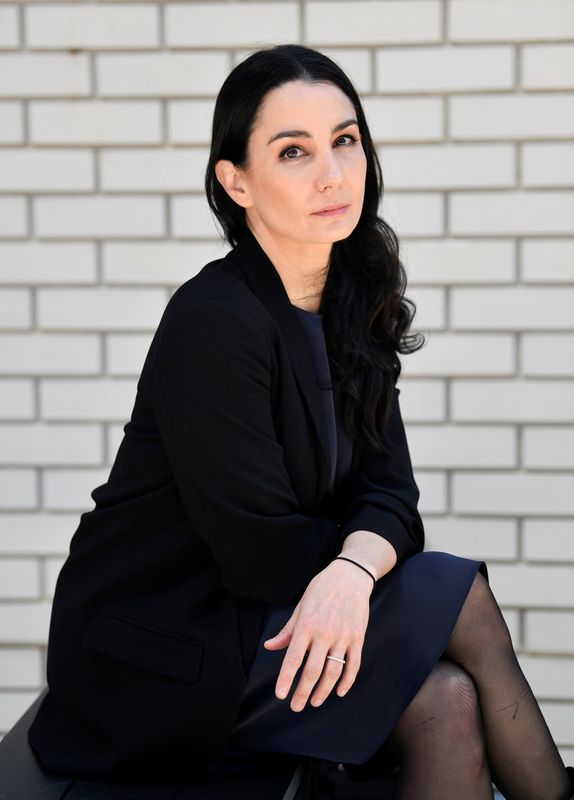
359	565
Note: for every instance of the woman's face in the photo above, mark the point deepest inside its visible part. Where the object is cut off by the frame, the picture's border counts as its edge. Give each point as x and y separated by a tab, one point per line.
291	177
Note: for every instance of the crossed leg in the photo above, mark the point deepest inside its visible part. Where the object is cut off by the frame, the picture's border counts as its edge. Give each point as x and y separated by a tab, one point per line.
476	715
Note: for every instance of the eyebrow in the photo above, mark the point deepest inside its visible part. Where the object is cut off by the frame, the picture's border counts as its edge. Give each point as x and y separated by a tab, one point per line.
293	133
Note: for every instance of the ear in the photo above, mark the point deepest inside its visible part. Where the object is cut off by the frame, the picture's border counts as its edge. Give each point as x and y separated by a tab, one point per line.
232	181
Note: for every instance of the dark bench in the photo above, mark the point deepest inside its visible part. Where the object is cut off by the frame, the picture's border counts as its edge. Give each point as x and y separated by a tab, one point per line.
281	777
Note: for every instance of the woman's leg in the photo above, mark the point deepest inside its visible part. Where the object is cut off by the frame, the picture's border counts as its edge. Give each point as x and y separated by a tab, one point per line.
523	758
439	740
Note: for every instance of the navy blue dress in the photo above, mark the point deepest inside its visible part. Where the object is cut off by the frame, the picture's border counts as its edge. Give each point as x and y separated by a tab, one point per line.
413	610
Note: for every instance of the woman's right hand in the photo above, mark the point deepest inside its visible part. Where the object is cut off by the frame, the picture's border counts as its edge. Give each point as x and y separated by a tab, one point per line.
331	618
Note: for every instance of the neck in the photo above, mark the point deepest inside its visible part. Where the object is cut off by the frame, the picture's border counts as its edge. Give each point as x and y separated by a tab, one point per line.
302	266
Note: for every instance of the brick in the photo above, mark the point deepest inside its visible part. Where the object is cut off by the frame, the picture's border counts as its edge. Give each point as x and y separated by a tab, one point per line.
24	623
45	444
511	212
532	585
12	706
49	354
547	260
391	22
414	214
507	493
15	308
404	119
36	534
20	668
550	678
549	631
19	578
547	354
430	303
31	263
13	216
548	447
462	446
52	570
125	353
560	720
100	308
452	261
422	400
445	68
436	166
9	31
547	164
91	399
44	75
512	400
46	169
547	66
505	116
509	20
161	74
165	170
356	63
67	490
161	263
18	489
512	307
11	122
191	217
105	216
189	121
16	399
432	486
462	354
95	122
481	539
200	24
92	26
548	540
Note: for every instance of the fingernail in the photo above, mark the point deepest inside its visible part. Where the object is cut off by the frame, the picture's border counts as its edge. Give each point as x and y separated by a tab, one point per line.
282	692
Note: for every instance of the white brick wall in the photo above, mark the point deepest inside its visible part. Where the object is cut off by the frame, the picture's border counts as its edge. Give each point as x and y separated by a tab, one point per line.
105	116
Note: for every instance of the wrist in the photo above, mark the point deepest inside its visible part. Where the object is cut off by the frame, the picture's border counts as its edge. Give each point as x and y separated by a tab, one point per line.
359	567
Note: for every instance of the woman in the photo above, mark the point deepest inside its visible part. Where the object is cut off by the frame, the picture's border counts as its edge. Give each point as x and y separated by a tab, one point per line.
252	577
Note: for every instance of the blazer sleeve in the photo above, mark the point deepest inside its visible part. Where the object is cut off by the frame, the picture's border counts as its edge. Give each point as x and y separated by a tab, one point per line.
382	496
212	391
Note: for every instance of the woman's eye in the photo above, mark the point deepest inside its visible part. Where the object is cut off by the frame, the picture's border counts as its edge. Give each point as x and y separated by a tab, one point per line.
284	157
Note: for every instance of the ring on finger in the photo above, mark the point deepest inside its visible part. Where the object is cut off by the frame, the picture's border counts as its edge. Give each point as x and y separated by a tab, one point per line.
335	658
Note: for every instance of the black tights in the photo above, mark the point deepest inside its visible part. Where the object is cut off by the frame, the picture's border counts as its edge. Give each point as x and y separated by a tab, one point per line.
475	720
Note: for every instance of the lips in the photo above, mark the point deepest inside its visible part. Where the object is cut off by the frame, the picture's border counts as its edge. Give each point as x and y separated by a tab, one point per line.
331	208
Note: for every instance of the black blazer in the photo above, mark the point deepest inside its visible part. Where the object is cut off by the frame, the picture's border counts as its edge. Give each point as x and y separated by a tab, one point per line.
215	507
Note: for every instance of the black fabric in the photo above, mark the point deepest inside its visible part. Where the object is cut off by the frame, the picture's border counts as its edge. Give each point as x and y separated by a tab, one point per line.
216	506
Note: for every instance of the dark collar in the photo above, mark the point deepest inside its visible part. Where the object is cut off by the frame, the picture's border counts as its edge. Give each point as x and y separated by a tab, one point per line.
266	284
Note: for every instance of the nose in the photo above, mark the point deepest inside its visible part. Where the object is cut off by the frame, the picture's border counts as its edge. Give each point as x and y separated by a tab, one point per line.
329	171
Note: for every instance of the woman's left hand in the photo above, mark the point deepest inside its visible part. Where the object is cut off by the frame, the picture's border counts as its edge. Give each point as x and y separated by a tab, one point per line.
330	619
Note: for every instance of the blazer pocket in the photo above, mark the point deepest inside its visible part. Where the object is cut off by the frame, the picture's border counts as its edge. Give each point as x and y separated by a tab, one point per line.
144	647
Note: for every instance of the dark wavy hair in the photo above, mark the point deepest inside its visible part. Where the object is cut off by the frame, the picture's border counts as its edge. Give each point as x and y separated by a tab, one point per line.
366	316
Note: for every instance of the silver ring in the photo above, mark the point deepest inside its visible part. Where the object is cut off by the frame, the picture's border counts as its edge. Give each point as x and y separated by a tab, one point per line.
334	658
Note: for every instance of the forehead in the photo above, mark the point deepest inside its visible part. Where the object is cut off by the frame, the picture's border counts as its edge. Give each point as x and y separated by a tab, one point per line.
303	105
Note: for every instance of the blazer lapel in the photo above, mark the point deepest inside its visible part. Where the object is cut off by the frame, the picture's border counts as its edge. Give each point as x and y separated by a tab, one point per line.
265	282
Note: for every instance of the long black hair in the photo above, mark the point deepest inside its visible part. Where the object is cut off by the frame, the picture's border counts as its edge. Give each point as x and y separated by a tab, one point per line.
366	316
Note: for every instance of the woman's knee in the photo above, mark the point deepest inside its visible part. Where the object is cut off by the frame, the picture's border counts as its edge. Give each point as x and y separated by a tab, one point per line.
446	700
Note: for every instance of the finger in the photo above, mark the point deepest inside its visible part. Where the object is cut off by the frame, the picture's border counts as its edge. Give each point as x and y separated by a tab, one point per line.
291	663
353	657
331	673
311	673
